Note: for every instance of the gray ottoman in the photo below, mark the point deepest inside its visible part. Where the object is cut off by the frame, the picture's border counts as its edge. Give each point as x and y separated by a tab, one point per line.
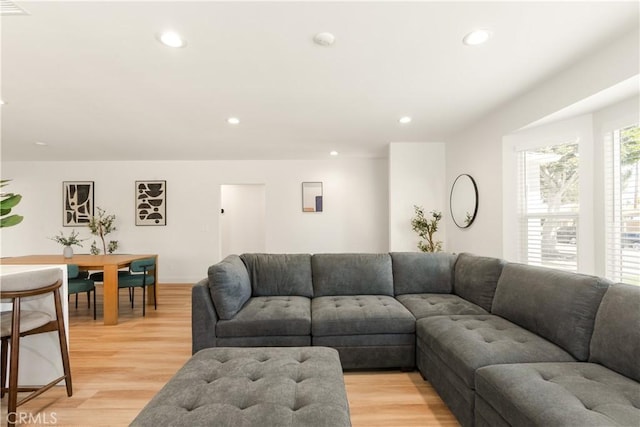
267	386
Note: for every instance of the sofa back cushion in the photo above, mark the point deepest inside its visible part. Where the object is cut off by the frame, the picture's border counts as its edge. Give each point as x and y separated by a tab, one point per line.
557	305
279	274
422	273
616	334
229	286
352	274
476	278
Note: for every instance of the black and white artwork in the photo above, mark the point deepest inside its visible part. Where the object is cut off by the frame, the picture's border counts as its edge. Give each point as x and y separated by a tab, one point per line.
151	202
77	203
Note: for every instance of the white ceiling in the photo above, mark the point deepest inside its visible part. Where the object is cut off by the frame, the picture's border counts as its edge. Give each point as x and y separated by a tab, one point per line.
91	80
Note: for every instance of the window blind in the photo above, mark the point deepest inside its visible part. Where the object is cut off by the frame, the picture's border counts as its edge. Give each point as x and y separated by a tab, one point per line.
622	205
549	205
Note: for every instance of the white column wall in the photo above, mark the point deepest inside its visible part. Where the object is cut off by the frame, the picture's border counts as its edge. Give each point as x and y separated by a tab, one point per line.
416	177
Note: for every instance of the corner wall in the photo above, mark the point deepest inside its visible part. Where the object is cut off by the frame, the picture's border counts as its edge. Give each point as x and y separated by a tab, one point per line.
478	149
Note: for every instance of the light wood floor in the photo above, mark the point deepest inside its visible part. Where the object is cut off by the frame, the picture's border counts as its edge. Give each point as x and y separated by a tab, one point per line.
116	370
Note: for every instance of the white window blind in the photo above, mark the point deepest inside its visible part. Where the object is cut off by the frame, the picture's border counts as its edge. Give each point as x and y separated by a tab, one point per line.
549	205
622	205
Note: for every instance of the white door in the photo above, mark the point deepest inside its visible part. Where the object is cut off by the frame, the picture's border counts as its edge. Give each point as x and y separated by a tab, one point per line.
242	219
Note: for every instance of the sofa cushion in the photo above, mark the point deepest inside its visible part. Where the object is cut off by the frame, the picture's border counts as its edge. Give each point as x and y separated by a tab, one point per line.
425	305
229	286
269	316
279	274
558	305
422	273
360	314
616	335
468	342
476	278
352	274
559	394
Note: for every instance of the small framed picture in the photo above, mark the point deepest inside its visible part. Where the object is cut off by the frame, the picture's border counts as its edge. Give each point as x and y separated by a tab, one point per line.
77	203
151	203
311	197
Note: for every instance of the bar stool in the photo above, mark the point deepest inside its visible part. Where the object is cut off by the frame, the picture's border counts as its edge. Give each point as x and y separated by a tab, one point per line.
20	323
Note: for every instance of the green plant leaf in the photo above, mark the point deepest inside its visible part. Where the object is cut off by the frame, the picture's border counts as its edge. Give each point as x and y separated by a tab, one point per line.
4	212
11	221
10	201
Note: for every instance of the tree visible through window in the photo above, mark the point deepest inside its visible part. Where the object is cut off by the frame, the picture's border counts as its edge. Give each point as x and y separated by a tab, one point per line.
549	205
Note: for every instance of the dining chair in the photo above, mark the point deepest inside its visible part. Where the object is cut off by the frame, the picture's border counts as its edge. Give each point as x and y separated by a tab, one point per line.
141	276
78	284
98	276
19	323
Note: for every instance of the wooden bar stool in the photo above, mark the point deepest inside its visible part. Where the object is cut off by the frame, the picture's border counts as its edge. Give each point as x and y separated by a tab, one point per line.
20	323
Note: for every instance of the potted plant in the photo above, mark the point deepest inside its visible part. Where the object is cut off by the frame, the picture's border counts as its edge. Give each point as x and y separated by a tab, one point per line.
426	228
100	226
8	202
68	242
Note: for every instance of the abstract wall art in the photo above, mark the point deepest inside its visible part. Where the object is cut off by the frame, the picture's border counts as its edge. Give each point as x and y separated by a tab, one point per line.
77	203
151	202
311	197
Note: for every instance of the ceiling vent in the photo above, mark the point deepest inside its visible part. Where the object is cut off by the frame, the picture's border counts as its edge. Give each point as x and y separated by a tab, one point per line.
8	7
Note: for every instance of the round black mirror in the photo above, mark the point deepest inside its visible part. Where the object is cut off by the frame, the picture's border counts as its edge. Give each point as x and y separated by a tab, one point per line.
463	202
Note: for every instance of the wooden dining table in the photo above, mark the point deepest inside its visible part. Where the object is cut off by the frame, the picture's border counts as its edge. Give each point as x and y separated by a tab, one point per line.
110	264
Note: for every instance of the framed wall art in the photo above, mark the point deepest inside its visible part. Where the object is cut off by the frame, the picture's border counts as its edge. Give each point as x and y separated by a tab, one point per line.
311	197
151	202
77	203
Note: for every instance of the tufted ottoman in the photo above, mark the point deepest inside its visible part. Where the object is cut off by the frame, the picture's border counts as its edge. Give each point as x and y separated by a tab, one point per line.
269	386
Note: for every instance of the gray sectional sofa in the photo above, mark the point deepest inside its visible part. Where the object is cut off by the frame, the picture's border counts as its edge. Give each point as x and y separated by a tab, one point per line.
502	343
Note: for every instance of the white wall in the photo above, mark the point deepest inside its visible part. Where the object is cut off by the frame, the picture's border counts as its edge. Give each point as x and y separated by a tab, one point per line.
416	177
355	217
478	149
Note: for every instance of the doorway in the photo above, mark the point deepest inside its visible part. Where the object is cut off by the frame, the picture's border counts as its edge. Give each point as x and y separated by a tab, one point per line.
242	219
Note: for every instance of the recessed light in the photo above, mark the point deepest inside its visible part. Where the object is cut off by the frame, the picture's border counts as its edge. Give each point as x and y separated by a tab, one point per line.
41	144
333	153
172	39
324	39
476	37
233	120
405	120
2	102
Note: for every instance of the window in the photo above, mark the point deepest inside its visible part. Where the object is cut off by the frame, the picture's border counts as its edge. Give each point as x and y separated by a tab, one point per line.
548	199
622	205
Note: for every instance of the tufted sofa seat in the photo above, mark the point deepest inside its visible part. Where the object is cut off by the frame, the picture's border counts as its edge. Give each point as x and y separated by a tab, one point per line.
451	348
484	332
547	394
534	319
266	317
293	386
601	392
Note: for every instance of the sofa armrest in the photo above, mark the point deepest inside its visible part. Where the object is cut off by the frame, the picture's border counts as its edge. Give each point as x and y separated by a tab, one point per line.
203	317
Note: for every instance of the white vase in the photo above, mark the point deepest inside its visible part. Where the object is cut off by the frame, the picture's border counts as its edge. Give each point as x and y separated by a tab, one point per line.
68	252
